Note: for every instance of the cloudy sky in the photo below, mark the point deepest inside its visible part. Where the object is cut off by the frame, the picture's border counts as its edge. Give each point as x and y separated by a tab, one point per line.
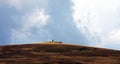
83	22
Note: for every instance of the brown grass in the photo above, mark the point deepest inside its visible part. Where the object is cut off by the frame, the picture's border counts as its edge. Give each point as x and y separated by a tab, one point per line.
47	53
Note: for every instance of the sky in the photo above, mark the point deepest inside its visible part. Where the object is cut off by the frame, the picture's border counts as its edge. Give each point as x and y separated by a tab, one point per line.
84	22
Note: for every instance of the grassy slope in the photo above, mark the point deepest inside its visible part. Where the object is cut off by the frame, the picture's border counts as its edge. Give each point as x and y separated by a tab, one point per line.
57	54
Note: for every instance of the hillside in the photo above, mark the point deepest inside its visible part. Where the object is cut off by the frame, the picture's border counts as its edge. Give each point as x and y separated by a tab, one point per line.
46	53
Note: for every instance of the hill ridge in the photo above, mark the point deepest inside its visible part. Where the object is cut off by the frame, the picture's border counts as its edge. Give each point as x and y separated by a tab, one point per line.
57	54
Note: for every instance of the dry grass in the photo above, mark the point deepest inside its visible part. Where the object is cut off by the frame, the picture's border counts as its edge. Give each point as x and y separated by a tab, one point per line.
50	42
55	53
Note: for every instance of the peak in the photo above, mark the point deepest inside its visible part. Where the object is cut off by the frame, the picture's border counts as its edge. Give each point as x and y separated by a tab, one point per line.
52	42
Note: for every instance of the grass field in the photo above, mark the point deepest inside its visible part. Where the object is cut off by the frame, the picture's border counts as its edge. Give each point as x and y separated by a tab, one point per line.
46	53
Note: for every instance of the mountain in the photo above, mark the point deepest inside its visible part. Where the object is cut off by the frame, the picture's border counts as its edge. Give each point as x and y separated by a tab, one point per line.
57	53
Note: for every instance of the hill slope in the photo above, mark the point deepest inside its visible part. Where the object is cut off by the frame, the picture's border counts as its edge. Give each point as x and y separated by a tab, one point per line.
57	54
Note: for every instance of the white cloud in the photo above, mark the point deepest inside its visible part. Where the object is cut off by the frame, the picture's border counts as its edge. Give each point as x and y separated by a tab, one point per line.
114	36
38	18
96	19
113	40
15	3
32	27
30	22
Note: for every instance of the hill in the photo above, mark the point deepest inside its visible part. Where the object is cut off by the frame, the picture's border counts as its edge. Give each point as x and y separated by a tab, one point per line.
47	53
